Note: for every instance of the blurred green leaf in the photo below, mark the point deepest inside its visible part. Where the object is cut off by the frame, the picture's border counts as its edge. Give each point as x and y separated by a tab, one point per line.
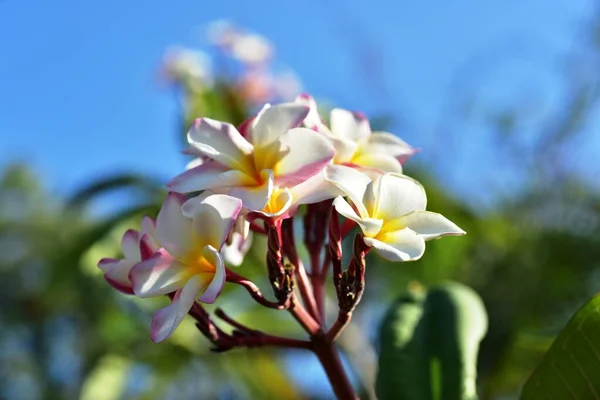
122	181
571	368
429	345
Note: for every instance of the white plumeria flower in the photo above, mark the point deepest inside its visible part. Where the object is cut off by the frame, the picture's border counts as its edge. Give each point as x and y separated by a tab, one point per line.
187	65
135	245
284	202
390	211
275	154
189	262
355	144
251	48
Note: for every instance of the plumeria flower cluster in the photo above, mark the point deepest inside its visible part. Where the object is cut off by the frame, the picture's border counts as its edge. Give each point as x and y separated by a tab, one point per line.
253	179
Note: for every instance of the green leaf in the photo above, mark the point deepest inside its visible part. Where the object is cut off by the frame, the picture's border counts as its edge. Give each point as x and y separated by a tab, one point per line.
571	368
403	361
457	322
429	345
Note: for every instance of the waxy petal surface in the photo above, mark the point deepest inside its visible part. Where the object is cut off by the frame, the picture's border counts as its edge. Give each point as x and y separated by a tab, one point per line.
431	225
167	319
160	274
308	153
173	229
401	245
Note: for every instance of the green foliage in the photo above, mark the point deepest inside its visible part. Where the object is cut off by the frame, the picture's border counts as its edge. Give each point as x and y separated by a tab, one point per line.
571	368
429	344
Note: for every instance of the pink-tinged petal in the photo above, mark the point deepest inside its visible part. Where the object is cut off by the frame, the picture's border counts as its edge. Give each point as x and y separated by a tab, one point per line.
369	226
148	234
384	143
173	229
313	119
315	189
147	247
167	319
160	274
273	121
245	127
207	176
255	197
352	182
194	163
402	245
398	195
213	218
431	225
379	162
116	273
349	125
308	152
130	244
215	286
221	142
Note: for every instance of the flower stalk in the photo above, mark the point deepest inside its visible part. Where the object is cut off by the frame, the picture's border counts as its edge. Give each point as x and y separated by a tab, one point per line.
253	180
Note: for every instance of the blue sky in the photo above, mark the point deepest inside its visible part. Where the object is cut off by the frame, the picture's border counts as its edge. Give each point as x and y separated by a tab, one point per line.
79	97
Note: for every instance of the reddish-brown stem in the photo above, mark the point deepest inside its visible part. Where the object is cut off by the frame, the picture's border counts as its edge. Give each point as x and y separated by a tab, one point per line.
330	360
253	290
289	248
304	318
318	286
254	227
338	326
252	337
308	294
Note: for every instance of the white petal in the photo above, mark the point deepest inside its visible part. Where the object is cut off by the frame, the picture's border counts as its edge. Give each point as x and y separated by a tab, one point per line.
218	280
116	273
315	189
207	176
279	204
273	121
213	218
352	182
167	319
307	153
344	149
233	254
173	229
397	195
383	143
255	197
313	119
159	275
369	226
221	142
402	245
348	125
379	162
148	234
194	163
431	225
130	244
